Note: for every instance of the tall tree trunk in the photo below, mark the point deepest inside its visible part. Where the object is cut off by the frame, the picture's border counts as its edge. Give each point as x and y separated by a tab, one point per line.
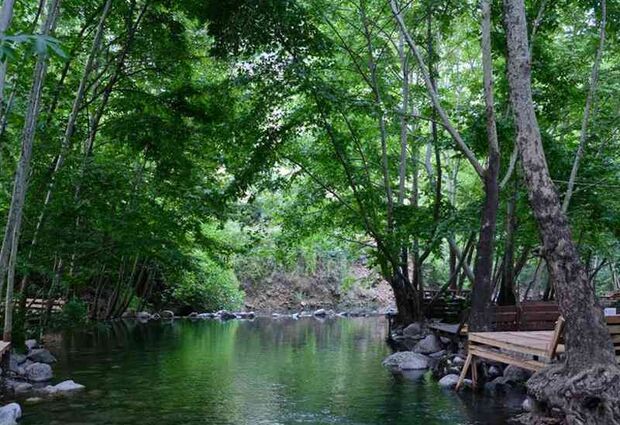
585	388
483	268
20	184
6	15
588	109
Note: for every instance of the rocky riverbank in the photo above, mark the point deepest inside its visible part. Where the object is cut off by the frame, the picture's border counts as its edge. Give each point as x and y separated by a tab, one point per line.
28	377
420	351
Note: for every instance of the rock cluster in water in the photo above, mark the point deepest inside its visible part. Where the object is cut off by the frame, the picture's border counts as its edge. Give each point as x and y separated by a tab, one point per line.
30	374
419	351
225	315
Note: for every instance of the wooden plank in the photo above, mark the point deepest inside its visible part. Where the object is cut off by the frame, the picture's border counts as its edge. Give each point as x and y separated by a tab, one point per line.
4	347
509	342
505	358
464	371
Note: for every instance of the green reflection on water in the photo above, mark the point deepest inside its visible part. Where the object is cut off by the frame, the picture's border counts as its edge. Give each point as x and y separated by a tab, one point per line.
260	372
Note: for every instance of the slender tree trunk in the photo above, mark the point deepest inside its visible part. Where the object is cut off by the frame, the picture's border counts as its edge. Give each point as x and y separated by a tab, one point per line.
20	184
6	15
483	268
588	109
585	388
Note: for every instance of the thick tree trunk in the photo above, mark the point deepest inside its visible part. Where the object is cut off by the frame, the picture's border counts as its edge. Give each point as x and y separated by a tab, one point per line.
585	388
483	268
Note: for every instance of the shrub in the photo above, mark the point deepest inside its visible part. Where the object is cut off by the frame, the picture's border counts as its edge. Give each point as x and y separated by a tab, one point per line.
209	286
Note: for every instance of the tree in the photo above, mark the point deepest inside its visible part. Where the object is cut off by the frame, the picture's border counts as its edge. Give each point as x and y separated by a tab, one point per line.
590	366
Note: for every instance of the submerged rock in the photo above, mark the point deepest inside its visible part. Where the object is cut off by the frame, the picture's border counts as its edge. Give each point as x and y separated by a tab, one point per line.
406	360
449	381
205	316
39	372
167	314
63	388
156	316
10	413
320	312
430	344
41	355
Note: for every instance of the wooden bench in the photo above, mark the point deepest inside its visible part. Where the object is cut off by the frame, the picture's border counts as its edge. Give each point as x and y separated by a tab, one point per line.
530	350
40	304
510	347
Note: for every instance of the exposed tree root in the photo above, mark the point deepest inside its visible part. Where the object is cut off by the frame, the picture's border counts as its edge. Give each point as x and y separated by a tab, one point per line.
589	397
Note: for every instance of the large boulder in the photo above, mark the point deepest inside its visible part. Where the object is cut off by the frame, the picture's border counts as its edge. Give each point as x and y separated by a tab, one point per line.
38	372
10	413
41	355
449	381
406	360
63	388
429	344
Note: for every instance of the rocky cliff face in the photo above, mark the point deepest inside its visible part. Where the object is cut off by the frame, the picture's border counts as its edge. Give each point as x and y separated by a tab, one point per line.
362	289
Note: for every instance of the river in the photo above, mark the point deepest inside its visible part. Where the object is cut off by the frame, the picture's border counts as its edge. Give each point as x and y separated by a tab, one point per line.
265	371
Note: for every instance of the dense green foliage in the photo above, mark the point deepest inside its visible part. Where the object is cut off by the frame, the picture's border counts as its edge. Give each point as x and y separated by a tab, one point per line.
240	136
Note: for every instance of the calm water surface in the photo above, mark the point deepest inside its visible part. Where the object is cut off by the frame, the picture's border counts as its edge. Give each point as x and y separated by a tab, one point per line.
260	372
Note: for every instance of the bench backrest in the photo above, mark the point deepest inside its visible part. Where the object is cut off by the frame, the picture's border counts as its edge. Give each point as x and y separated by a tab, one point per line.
613	324
538	316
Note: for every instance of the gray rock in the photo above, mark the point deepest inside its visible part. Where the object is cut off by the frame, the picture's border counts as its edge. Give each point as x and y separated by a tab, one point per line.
41	355
320	312
33	400
193	315
430	344
227	315
16	367
143	315
156	316
205	316
18	358
449	381
38	372
444	340
18	388
413	330
250	315
458	361
31	344
528	404
516	374
167	314
10	413
63	388
493	372
438	354
406	360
